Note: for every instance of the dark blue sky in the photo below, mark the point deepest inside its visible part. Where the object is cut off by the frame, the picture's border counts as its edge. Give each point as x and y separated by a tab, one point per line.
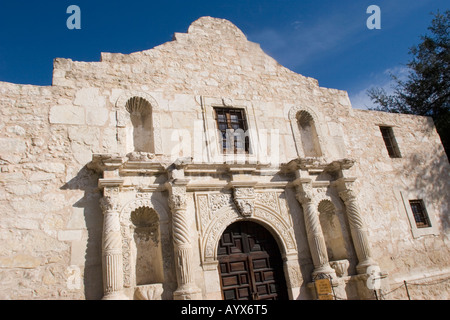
326	40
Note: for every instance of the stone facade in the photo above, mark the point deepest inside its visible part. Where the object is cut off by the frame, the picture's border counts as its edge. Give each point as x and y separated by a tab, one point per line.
114	184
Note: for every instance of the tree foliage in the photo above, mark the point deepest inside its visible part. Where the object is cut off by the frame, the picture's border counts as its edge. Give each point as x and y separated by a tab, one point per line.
426	91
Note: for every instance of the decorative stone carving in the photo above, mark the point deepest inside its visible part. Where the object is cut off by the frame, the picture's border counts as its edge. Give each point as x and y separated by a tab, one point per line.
140	156
216	211
246	207
112	249
358	229
341	267
305	195
244	198
177	202
217	201
149	292
187	288
142	200
269	199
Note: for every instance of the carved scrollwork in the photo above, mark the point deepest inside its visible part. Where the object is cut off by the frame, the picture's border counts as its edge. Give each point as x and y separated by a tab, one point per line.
217	201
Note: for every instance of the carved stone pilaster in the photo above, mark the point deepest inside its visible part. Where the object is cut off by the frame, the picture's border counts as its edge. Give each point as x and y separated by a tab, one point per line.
112	250
187	289
358	229
178	205
244	198
314	232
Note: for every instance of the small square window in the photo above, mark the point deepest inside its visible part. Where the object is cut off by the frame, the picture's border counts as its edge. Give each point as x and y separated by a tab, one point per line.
390	142
420	214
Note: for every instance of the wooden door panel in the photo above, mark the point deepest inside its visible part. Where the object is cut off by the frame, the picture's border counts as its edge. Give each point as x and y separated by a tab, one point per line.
250	264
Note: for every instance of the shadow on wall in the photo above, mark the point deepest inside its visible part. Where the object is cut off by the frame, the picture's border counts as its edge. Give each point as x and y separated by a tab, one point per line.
432	171
86	180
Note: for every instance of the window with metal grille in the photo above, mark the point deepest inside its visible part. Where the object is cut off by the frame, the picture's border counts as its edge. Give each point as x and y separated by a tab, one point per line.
232	125
420	214
390	142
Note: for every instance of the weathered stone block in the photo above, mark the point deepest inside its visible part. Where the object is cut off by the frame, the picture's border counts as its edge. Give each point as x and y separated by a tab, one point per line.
70	235
12	145
67	115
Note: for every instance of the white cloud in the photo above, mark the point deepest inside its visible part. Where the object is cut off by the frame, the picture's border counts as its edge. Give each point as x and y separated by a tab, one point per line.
360	99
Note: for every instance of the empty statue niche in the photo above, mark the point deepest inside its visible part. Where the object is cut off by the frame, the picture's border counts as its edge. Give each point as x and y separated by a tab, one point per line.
142	124
332	231
147	251
308	134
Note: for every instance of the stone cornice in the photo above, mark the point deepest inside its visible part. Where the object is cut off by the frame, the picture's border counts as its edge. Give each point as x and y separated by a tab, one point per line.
317	165
106	162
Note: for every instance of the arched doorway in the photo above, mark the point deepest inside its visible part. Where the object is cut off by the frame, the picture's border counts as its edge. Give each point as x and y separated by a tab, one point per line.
250	264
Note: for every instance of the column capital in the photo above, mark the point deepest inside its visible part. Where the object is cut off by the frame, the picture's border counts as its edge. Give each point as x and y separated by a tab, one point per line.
348	195
109	204
177	196
305	193
177	202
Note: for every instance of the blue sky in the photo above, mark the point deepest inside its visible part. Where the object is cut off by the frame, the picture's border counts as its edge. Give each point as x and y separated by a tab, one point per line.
326	40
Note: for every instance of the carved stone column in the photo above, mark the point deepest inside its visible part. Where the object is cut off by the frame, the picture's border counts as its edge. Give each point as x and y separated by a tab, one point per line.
358	229
112	250
187	289
314	233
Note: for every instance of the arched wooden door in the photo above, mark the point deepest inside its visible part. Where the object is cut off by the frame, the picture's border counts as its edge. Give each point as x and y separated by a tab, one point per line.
250	264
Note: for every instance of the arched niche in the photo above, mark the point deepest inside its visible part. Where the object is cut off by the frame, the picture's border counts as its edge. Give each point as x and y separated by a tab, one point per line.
308	135
146	248
145	237
307	132
140	112
138	123
332	231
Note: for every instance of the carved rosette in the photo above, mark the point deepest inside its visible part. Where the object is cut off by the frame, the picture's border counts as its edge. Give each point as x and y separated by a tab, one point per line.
245	198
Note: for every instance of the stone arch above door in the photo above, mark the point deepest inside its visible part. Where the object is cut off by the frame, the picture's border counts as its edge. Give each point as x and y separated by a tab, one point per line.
216	211
215	219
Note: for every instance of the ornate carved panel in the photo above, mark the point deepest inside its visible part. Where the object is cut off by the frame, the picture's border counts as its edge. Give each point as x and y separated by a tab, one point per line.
215	211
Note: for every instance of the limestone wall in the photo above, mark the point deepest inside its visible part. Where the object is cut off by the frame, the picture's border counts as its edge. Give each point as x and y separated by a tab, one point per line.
422	172
51	221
